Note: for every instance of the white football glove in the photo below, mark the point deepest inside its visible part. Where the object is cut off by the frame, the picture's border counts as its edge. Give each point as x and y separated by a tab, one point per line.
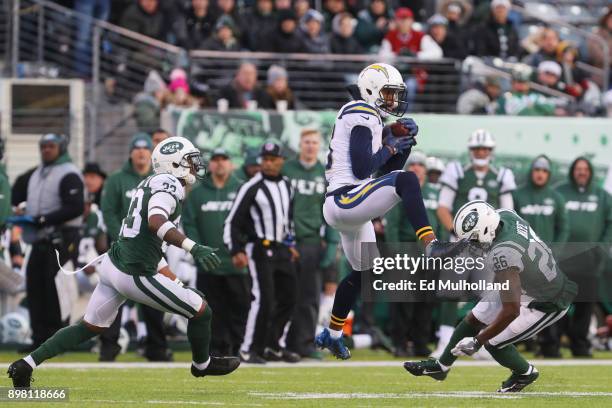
466	347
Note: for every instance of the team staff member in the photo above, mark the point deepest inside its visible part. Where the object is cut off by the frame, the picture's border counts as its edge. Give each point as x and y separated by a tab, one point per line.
55	204
115	203
226	288
589	209
307	176
259	233
412	319
544	209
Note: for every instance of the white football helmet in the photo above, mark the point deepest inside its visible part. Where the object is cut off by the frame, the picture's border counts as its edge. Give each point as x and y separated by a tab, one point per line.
481	138
14	328
179	157
434	164
381	85
476	221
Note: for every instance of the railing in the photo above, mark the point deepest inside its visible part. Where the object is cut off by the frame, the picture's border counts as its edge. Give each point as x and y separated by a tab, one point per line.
319	80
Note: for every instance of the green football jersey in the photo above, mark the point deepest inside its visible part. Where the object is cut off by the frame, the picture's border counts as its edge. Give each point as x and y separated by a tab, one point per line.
138	250
468	185
517	245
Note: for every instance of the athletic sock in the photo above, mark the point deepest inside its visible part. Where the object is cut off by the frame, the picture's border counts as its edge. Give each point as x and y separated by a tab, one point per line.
198	333
28	359
510	358
346	295
408	188
463	329
201	366
63	340
335	334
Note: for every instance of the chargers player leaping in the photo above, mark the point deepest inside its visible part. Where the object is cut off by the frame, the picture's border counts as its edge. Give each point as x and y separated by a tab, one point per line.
360	146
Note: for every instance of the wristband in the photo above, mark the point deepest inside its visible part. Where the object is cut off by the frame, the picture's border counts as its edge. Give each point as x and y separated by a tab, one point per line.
165	227
187	244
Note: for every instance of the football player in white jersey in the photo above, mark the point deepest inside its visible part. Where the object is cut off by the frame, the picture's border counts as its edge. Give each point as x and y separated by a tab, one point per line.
360	146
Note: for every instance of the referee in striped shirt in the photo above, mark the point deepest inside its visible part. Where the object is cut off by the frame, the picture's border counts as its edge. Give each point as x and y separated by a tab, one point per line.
259	234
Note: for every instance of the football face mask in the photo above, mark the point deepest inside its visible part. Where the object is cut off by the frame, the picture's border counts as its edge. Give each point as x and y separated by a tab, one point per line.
392	100
194	162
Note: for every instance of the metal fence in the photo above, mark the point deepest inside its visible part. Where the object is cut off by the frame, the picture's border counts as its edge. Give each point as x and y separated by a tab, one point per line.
319	80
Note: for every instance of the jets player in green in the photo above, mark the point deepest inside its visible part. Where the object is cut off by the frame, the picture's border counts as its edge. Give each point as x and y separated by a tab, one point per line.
538	295
134	268
479	180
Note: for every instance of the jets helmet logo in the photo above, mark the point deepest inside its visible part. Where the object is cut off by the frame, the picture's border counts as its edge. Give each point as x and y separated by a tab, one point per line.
171	148
470	221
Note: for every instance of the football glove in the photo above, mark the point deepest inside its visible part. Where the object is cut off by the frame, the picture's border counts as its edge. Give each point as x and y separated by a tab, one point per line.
399	144
410	124
466	347
205	256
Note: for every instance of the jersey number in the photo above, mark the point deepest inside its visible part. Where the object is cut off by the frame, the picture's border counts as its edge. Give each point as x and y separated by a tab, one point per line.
131	224
546	262
477	193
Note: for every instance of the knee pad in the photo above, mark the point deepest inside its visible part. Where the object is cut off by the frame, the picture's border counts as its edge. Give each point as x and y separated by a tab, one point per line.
406	182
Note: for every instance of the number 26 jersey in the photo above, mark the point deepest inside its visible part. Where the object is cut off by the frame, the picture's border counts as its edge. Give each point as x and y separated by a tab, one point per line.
139	250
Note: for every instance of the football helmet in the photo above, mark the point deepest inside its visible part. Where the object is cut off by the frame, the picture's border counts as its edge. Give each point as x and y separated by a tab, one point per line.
476	221
481	138
381	85
179	157
14	328
434	164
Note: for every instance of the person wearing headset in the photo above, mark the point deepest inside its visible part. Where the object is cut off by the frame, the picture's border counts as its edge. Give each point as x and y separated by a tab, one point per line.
53	217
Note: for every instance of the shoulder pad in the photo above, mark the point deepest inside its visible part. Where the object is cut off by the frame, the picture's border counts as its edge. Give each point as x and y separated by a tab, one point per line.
451	175
360	111
167	183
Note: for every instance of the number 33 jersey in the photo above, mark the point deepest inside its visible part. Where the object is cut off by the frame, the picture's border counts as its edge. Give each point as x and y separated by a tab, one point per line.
516	245
139	250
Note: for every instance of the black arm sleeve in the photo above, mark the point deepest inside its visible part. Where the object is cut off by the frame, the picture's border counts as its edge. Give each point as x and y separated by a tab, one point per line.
73	201
396	162
239	223
363	162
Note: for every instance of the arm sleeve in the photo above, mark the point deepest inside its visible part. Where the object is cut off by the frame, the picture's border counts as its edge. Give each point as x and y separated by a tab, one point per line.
233	234
507	181
506	201
73	201
161	203
363	162
110	204
396	162
562	230
190	223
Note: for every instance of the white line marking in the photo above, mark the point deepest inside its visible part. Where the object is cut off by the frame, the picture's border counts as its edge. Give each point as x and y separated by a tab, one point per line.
315	364
450	394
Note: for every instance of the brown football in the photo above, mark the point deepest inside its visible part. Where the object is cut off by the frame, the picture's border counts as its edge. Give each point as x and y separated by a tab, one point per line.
398	129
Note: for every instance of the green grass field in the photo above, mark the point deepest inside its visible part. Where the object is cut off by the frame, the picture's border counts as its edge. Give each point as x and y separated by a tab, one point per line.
356	384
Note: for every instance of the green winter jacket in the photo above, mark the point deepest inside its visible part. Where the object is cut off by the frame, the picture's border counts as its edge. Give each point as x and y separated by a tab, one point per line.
309	187
116	197
204	213
543	208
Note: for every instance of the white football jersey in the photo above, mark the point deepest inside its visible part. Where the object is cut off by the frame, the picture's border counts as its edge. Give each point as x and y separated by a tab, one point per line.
339	171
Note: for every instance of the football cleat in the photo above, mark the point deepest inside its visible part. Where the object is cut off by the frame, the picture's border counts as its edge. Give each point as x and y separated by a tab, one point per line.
437	249
251	358
217	366
336	346
516	382
281	355
430	368
21	374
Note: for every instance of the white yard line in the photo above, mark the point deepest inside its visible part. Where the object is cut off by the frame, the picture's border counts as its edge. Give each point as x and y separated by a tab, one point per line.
316	364
407	395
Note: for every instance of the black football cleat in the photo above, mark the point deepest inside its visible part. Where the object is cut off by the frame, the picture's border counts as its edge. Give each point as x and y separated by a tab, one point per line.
437	249
21	374
281	355
430	368
516	382
217	366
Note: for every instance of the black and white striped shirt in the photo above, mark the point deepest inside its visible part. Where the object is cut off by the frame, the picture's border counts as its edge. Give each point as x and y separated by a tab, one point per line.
261	210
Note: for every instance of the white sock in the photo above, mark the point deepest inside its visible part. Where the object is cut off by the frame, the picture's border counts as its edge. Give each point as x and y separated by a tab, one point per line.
444	368
530	370
201	366
335	334
141	330
362	341
445	333
30	361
